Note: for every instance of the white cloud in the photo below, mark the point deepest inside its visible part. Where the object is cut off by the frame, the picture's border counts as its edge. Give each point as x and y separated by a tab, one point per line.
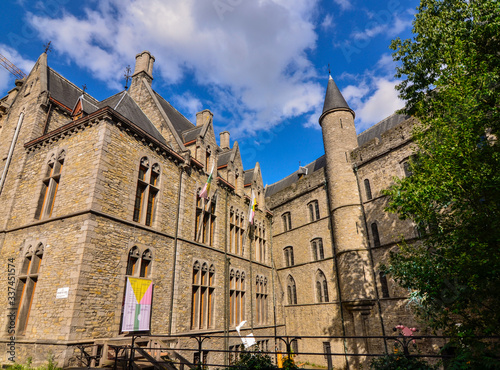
344	4
327	22
380	104
384	23
190	103
254	52
373	96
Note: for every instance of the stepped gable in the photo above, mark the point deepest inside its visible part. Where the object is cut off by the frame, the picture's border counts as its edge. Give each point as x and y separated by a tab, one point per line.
179	122
127	107
379	128
294	177
64	91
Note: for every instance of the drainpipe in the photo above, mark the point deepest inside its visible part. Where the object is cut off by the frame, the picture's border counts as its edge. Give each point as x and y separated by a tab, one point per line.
11	150
175	250
226	289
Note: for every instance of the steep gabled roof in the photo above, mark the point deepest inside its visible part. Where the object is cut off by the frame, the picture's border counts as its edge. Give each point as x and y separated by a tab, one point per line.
191	134
87	105
127	107
225	157
248	176
179	122
64	91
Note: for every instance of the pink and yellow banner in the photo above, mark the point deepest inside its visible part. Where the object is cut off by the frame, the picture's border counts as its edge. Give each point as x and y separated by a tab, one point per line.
137	305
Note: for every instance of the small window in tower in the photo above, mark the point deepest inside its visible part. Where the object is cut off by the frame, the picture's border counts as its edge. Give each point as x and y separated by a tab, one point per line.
368	189
376	238
287	221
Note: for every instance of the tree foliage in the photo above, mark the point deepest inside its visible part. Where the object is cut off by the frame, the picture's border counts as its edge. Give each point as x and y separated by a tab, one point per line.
451	71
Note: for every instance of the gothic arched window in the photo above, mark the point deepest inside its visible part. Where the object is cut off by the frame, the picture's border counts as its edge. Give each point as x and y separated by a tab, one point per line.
321	287
291	290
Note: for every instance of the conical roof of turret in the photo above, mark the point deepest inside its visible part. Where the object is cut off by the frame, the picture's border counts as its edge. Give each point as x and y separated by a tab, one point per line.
333	98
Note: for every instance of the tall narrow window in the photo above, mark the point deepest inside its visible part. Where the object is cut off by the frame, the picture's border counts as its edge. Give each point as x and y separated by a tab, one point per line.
147	192
287	221
368	189
50	185
383	283
205	220
291	290
260	244
406	165
237	296
317	249
27	281
288	254
313	210
321	287
202	296
376	238
207	159
139	264
146	259
261	299
133	261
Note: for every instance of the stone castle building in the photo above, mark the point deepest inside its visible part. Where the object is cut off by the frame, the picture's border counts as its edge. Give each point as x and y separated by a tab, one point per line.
95	191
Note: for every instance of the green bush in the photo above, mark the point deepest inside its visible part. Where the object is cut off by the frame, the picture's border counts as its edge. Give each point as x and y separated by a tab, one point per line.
399	362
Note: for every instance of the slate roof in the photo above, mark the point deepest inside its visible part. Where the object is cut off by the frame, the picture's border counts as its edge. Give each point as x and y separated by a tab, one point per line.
333	97
127	107
88	105
291	179
63	90
179	122
191	134
224	157
376	130
248	176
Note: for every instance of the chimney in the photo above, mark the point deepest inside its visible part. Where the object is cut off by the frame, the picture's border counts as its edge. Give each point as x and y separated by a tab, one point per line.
224	140
144	63
203	117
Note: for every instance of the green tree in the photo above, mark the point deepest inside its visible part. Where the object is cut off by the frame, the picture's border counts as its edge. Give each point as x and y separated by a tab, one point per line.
451	72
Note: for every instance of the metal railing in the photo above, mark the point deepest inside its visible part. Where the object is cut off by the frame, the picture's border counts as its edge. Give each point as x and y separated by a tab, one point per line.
153	350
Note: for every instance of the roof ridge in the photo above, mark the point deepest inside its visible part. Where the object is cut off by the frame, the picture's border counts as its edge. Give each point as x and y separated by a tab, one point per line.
70	83
119	101
166	101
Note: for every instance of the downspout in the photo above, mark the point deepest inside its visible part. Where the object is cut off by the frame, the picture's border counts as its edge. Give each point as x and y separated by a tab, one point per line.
273	271
226	289
11	150
371	259
175	251
334	251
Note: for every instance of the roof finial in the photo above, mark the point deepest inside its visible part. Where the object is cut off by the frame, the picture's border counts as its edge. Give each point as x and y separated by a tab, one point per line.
84	88
127	76
47	47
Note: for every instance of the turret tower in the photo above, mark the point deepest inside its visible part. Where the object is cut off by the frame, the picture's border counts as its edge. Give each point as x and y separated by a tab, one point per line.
348	225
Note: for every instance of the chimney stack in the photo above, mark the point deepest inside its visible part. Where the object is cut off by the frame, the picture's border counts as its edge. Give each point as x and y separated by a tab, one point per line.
144	63
224	140
203	117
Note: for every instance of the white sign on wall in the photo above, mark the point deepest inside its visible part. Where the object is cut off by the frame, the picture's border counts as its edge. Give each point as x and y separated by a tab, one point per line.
62	293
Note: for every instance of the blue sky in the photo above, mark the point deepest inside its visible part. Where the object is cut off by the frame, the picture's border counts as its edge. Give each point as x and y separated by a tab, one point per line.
261	66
